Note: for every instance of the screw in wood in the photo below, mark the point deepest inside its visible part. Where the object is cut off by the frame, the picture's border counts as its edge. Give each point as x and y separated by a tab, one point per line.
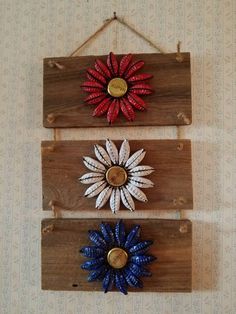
51	118
183	228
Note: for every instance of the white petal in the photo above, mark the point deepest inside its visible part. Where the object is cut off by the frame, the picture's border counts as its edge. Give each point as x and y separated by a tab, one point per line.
127	199
115	200
93	164
91	177
95	189
137	193
102	155
103	197
141	182
112	151
124	152
135	159
141	171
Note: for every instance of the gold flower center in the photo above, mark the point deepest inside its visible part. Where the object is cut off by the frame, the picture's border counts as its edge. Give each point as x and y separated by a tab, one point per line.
116	176
117	257
117	87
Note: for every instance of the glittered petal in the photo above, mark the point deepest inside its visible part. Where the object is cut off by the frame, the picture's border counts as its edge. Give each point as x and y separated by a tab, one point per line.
107	233
120	282
115	200
102	68
95	98
108	281
103	197
124	63
139	77
138	270
92	251
112	63
132	237
95	189
141	182
141	171
91	177
135	159
142	259
127	109
97	274
136	101
120	233
102	155
134	67
97	238
141	89
92	87
137	193
102	107
96	76
140	248
93	264
112	151
127	199
124	152
113	111
131	279
93	164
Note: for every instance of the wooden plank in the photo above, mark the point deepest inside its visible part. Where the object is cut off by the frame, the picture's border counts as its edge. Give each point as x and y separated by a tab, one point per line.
61	260
64	99
62	165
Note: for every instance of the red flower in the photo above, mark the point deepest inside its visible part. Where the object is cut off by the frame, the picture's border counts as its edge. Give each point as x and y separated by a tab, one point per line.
115	86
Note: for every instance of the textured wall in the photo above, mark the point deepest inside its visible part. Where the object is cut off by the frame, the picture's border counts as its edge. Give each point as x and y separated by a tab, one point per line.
31	30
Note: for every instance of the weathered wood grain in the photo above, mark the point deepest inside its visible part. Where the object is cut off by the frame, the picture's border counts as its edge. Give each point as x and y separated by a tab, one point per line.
61	260
63	98
62	165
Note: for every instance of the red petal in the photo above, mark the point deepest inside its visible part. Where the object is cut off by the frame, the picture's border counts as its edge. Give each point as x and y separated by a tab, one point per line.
113	111
91	87
127	109
136	101
139	77
135	66
102	68
141	89
102	107
96	76
95	98
112	63
124	63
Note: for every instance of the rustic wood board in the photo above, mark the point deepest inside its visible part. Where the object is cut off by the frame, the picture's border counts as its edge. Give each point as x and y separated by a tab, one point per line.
170	104
62	165
61	260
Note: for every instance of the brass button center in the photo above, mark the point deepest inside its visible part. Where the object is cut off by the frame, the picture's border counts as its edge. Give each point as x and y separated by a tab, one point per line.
116	176
117	257
117	87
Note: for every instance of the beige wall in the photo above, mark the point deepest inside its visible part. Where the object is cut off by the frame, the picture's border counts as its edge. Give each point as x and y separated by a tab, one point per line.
33	29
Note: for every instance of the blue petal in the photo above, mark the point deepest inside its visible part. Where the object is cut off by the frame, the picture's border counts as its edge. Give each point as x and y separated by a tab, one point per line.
140	247
107	233
92	251
120	233
120	282
131	279
93	263
96	238
108	281
142	259
138	271
97	274
132	237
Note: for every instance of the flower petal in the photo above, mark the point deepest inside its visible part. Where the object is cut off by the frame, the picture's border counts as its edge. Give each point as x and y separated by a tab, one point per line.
103	197
124	152
137	193
124	63
115	200
96	76
134	67
95	98
141	182
108	280
131	279
113	111
102	155
141	171
98	273
127	199
92	251
95	189
112	63
138	270
102	107
136	101
92	87
112	151
107	233
120	282
91	177
140	248
132	237
97	238
93	263
127	109
102	68
139	77
141	89
142	259
120	233
135	159
93	164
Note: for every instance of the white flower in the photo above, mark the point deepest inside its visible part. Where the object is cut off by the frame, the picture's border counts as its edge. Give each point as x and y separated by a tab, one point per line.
116	176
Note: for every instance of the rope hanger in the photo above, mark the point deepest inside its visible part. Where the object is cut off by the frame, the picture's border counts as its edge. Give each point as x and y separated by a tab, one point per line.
56	135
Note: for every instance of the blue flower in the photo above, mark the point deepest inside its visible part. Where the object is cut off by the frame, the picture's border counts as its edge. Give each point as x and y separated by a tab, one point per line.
116	258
